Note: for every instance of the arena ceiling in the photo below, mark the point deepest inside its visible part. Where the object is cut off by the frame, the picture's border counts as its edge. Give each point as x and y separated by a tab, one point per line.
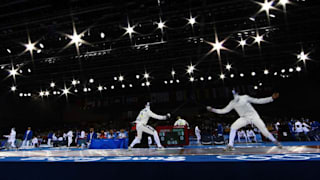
122	39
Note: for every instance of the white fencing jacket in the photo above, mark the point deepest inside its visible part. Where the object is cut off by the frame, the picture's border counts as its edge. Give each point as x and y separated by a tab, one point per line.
242	105
145	114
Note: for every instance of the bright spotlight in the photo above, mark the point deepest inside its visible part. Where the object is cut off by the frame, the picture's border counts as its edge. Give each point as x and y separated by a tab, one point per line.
290	69
284	2
13	72
173	72
242	42
129	30
74	82
13	88
228	67
266	6
121	78
191	20
161	25
30	47
146	75
65	91
298	69
41	93
52	84
302	56
190	69
102	35
46	93
75	38
258	39
222	76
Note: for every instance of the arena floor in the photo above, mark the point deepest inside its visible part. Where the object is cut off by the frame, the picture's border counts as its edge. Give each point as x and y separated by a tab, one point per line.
301	151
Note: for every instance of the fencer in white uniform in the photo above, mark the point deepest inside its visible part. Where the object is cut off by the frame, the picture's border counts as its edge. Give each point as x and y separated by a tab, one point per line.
198	135
12	137
141	125
69	135
248	115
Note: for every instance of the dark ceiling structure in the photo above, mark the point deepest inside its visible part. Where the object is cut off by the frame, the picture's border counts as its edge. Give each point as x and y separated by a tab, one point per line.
110	51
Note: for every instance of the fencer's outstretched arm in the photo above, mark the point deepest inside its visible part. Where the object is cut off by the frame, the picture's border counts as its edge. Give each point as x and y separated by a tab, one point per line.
259	100
262	100
156	116
225	110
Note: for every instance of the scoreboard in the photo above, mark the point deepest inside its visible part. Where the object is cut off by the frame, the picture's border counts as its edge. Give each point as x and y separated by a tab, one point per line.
173	135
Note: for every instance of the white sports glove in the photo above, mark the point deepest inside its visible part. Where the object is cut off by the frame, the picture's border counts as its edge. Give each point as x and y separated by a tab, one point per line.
209	108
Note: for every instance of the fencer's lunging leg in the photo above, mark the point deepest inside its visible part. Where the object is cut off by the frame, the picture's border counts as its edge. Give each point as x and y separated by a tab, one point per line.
239	123
137	139
232	135
156	138
147	129
262	127
13	144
